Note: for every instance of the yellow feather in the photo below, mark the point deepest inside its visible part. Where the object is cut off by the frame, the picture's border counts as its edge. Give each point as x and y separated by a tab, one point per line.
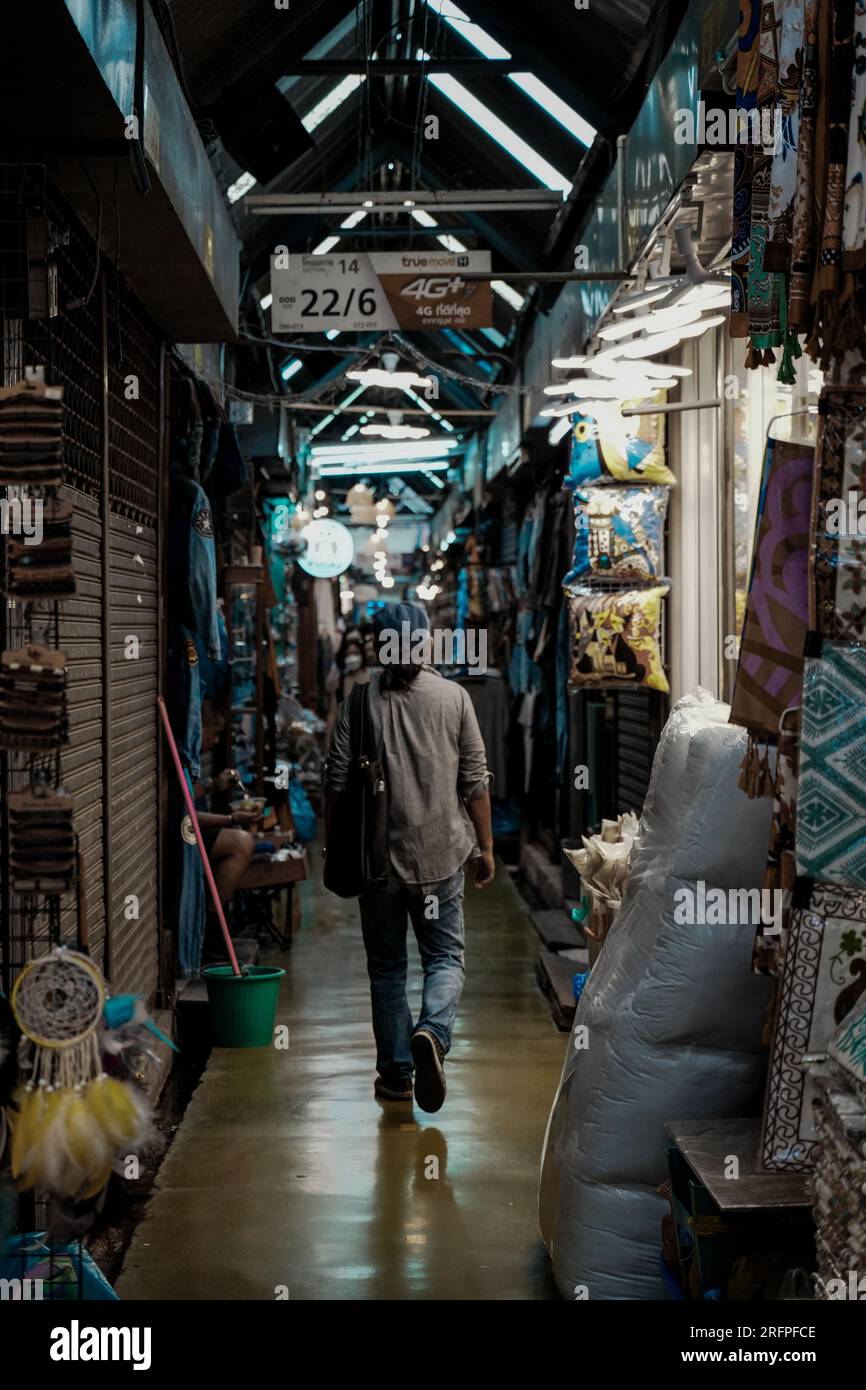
95	1185
86	1146
113	1108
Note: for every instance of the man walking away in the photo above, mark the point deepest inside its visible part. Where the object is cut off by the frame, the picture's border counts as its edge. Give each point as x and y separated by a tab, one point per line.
439	802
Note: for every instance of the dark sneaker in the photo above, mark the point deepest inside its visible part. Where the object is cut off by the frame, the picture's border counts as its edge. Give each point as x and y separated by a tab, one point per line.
392	1090
429	1056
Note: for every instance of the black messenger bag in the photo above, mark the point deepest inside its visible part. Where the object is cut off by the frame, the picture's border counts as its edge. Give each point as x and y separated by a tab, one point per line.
356	855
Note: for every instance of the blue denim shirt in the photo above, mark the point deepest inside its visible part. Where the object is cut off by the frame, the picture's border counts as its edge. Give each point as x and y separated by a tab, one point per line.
192	563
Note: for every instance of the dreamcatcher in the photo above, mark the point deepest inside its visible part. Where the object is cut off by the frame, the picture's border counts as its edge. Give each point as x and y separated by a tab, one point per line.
70	1118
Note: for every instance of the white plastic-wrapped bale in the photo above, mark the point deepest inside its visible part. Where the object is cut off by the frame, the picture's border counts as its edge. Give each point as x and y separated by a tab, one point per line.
669	1024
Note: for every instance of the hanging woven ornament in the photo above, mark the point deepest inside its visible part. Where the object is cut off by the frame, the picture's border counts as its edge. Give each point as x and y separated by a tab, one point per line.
70	1118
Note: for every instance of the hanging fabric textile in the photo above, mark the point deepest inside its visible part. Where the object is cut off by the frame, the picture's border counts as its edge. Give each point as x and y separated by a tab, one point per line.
808	192
770	669
849	329
765	287
825	288
747	96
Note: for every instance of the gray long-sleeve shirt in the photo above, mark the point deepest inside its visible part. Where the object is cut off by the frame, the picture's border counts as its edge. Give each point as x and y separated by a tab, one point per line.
434	762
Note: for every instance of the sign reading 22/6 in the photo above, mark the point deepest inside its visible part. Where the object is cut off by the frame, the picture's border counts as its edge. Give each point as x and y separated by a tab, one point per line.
416	290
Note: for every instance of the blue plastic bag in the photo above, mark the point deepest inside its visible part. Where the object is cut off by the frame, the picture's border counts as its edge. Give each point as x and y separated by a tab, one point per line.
302	811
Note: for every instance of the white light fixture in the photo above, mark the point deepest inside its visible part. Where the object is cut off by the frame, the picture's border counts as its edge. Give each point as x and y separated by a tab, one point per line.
266	301
650	295
497	130
665	342
385	452
377	376
291	369
710	295
656	321
332	101
241	185
558	431
388	582
571	363
363	470
650	369
531	85
396	431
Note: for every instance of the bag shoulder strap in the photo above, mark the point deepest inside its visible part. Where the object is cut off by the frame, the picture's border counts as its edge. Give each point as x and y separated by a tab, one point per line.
358	719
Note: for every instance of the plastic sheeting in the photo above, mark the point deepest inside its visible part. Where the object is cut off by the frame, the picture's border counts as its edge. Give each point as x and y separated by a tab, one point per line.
672	1014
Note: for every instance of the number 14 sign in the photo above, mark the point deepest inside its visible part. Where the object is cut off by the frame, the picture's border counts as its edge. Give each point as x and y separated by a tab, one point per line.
401	289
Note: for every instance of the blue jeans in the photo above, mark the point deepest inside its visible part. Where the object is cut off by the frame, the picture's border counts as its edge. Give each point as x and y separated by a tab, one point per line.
436	913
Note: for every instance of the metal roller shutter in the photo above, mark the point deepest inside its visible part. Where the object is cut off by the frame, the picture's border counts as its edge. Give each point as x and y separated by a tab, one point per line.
133	564
109	359
134	793
638	724
81	760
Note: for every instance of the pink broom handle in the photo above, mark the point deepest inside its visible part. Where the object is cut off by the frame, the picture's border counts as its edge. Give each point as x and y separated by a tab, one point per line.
208	873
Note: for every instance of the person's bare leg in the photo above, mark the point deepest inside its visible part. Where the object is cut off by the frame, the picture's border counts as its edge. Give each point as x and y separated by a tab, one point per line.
230	859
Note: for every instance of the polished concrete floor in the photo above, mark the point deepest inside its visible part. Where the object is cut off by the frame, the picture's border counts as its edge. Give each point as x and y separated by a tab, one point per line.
287	1178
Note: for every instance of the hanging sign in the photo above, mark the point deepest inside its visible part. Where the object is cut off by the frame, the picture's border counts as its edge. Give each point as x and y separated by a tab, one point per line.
330	549
386	289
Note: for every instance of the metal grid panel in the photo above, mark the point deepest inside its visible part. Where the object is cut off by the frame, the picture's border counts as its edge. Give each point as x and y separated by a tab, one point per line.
134	748
133	385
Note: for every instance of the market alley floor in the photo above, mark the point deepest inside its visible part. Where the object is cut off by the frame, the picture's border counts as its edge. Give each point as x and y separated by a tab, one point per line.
287	1175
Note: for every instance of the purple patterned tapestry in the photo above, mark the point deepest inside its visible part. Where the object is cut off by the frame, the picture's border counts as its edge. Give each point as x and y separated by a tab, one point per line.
770	670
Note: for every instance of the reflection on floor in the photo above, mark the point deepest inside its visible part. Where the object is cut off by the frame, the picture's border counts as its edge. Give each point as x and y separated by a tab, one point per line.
288	1179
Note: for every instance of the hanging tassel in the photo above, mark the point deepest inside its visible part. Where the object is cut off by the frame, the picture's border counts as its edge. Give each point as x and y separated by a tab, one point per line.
756	774
769	358
749	767
753	358
766	781
790	342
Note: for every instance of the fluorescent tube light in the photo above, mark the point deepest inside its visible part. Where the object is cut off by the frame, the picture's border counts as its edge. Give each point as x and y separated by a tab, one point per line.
332	101
489	122
425	405
534	88
321	453
241	185
396	431
363	470
377	376
352	396
291	369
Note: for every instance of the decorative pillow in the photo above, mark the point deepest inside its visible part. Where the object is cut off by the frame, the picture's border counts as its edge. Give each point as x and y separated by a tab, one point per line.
823	976
770	670
847	1047
617	638
831	802
619	533
609	447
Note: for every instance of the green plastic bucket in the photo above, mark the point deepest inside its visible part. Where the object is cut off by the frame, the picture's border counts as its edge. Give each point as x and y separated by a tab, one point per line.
243	1007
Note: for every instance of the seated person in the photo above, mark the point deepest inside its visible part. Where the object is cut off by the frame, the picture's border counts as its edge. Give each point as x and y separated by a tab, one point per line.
227	839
